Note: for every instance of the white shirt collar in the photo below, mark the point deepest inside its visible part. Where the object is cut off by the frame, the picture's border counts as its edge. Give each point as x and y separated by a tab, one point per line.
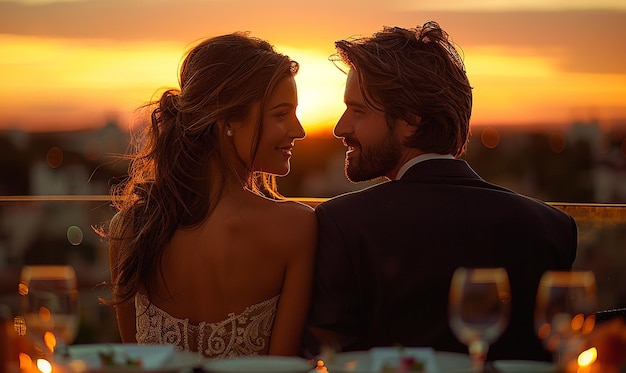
421	158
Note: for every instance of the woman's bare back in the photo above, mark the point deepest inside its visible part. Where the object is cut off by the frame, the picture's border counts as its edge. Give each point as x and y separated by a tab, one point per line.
241	256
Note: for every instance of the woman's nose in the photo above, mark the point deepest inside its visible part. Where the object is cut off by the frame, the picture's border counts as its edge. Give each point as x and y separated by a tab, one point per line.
298	131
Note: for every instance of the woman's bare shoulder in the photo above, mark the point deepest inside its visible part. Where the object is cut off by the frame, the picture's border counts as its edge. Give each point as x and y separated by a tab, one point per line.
294	212
296	206
284	208
294	220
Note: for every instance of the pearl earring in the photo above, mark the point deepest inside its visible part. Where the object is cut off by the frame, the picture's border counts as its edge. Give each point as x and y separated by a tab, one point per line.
229	132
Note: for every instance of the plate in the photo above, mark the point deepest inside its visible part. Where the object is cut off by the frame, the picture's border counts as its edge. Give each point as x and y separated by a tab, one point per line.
258	364
453	362
526	366
382	357
362	362
154	358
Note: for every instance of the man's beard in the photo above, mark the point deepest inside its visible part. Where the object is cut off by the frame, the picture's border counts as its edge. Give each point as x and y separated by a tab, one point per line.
373	162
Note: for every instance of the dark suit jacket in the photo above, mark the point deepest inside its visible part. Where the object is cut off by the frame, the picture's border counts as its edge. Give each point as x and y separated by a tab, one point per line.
387	253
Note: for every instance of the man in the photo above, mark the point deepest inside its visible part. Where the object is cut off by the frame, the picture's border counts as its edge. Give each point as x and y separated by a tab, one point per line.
387	253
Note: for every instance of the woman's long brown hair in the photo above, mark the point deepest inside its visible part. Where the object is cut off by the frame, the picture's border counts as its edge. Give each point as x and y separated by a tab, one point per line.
178	168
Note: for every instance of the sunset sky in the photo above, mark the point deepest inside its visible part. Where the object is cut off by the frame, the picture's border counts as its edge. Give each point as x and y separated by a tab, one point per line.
80	63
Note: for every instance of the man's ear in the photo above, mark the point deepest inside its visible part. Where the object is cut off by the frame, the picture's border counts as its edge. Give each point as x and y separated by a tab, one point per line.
405	129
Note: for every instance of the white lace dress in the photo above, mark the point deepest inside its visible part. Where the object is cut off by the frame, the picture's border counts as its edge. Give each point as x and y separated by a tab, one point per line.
247	333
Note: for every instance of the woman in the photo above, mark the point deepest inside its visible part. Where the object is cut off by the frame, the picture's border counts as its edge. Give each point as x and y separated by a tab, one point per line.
200	257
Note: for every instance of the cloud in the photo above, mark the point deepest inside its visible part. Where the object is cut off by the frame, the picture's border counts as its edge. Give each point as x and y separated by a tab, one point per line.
581	40
575	41
92	53
514	5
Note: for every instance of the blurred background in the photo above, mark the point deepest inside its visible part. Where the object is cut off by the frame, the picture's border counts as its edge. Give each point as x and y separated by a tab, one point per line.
549	116
549	82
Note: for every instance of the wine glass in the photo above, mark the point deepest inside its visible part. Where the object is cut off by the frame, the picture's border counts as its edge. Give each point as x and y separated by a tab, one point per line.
49	304
564	311
479	309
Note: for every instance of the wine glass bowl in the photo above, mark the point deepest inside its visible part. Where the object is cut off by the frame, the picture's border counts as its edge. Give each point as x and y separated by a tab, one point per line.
49	305
565	310
479	309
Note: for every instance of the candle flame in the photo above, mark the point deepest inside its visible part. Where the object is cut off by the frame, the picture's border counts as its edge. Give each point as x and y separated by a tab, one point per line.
44	314
544	331
50	340
320	367
26	363
577	322
587	357
44	366
589	324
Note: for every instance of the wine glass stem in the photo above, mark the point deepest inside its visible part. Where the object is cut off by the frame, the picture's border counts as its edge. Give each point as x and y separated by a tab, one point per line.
478	351
556	356
61	351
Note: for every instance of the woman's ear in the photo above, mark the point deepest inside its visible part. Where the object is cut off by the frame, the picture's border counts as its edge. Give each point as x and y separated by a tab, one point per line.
225	127
222	125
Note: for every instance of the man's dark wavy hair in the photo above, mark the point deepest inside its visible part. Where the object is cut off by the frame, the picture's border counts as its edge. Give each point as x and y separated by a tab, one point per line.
416	75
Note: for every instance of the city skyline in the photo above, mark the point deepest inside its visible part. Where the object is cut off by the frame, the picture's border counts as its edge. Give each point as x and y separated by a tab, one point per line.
80	63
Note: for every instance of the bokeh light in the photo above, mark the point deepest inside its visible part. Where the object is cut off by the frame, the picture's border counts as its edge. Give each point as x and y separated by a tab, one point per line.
557	142
54	157
44	366
490	137
587	357
75	235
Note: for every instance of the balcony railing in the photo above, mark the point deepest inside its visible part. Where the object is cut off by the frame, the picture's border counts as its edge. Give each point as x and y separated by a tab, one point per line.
59	230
